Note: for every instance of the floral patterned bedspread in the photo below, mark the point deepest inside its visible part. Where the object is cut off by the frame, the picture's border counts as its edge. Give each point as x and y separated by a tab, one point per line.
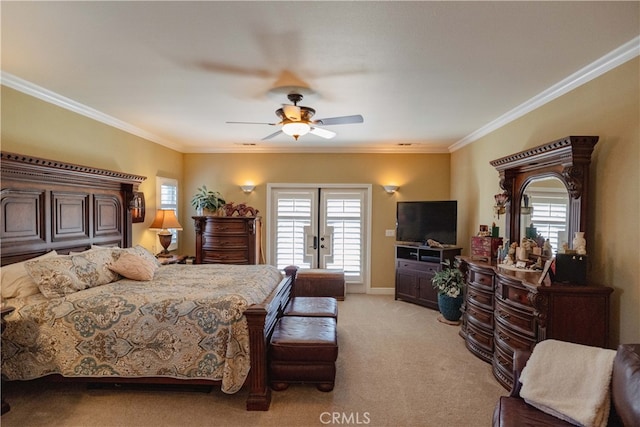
188	322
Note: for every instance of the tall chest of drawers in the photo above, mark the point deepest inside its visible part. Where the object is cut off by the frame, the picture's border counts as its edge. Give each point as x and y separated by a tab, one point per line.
227	240
505	310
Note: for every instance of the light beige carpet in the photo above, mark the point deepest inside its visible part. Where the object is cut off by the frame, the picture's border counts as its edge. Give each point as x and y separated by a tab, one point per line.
397	366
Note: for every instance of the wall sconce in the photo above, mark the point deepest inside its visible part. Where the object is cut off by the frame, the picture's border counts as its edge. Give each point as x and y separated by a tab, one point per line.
501	200
248	188
136	206
390	188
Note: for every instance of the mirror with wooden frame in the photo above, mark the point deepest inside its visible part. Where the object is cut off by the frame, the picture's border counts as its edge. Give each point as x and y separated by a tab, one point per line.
566	160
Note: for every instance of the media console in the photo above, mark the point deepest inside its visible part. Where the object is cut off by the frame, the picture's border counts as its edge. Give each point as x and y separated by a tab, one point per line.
415	267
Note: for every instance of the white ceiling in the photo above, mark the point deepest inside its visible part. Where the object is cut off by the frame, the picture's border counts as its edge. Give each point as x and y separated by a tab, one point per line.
435	75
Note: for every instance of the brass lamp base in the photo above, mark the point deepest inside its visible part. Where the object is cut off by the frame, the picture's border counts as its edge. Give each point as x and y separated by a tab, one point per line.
165	241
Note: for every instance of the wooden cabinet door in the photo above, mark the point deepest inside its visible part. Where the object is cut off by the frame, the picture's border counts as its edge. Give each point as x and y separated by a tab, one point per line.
406	283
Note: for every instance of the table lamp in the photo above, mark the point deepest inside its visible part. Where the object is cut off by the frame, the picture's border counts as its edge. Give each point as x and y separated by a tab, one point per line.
165	219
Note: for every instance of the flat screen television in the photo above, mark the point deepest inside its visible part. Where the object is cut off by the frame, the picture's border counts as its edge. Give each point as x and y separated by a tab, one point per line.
421	221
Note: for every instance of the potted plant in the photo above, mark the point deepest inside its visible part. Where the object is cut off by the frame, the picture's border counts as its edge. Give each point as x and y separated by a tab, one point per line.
449	282
207	200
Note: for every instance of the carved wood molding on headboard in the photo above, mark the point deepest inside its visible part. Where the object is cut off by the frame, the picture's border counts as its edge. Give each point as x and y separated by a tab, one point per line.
29	168
51	205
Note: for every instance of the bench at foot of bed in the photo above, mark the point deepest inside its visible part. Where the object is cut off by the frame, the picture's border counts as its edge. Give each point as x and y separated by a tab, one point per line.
303	350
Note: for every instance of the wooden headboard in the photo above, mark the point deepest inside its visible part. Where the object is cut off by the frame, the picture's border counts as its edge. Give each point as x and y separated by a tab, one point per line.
47	205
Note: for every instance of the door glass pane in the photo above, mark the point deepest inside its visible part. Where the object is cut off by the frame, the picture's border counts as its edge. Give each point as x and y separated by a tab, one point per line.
344	215
293	213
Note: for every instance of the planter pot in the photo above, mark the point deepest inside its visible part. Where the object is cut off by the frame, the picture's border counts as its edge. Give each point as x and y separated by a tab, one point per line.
450	307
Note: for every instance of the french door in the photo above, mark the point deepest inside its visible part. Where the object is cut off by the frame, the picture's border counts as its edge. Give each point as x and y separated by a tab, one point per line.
321	227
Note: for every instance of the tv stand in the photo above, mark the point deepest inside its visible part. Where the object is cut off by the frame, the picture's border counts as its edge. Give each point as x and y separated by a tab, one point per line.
415	267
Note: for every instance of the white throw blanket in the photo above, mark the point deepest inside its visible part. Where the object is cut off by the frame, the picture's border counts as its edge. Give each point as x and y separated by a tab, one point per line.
569	381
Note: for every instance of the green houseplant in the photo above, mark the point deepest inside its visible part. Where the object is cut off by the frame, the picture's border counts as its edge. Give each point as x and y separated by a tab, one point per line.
449	282
207	200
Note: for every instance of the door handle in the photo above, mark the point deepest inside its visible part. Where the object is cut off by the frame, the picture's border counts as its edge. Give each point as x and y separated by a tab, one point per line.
315	242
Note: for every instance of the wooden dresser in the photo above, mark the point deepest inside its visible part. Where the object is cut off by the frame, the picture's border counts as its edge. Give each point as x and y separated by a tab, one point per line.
227	240
507	310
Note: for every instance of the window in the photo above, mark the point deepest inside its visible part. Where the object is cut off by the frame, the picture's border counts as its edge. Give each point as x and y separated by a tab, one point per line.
167	198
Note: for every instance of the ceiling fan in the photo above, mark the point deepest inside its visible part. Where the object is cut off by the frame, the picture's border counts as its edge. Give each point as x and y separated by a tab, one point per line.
296	120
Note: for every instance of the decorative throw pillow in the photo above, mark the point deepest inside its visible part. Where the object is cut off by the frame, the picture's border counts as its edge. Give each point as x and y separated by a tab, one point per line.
64	275
139	251
16	282
134	267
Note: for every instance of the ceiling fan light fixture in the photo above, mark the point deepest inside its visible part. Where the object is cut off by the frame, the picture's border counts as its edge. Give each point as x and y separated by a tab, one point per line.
296	129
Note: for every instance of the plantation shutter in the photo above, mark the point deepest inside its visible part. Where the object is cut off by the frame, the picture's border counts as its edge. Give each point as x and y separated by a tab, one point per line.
167	190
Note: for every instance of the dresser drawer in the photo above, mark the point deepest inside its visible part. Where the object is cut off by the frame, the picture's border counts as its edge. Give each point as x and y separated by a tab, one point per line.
225	242
226	256
479	296
513	295
479	316
229	226
503	365
480	337
481	279
518	320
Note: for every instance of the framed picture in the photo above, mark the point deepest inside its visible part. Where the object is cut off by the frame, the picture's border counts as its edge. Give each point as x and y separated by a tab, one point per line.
137	207
521	264
545	272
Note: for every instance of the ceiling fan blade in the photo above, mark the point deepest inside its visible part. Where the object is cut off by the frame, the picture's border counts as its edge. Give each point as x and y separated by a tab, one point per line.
343	120
272	135
252	123
292	112
324	133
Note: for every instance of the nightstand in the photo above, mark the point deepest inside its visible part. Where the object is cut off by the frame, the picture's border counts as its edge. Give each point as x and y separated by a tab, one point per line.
173	259
5	311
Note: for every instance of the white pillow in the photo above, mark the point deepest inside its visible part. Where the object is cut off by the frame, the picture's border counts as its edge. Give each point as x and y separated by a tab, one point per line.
16	282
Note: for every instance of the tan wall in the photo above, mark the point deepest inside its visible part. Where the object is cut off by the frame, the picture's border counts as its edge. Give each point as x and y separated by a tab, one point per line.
36	128
607	106
610	108
419	176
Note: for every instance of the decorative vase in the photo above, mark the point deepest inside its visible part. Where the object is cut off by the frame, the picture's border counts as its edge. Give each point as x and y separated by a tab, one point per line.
580	243
450	307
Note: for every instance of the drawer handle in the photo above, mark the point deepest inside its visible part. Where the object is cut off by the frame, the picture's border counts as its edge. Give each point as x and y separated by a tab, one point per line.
504	315
473	334
502	362
503	337
481	280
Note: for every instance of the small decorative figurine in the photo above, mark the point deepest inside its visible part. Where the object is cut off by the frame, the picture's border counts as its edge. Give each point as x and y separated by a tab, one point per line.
579	243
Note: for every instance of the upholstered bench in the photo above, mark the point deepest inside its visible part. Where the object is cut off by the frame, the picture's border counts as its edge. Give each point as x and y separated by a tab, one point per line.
312	307
303	350
319	282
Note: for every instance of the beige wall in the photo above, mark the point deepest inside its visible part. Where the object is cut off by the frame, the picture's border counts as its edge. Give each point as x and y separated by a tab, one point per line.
419	176
607	107
36	128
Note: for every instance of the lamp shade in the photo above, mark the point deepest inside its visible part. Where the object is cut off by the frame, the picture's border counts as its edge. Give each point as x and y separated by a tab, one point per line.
165	218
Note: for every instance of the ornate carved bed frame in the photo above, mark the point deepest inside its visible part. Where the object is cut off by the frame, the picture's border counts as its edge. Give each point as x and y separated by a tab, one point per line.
49	205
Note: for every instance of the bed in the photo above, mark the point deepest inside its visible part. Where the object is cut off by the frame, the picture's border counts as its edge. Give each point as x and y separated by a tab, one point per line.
68	227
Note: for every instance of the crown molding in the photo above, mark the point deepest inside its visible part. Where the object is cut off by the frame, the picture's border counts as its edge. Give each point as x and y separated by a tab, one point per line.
13	82
613	59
